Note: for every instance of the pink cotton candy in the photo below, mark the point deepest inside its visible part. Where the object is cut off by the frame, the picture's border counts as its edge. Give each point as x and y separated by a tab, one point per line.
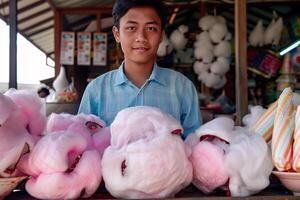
55	173
66	162
33	109
101	140
89	126
230	153
145	160
210	172
7	106
21	123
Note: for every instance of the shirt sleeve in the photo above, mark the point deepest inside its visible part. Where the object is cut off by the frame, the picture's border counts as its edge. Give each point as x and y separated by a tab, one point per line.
88	103
190	117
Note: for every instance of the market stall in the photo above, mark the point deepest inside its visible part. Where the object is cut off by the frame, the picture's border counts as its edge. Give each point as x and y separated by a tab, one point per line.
240	151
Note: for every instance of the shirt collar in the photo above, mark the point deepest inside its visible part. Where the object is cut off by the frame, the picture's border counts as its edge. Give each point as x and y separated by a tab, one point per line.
120	77
155	76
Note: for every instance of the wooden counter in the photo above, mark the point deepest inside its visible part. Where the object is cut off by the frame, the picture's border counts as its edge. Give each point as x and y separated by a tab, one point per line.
273	192
70	108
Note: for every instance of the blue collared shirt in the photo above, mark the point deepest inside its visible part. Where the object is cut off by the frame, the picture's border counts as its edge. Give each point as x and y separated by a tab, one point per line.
166	89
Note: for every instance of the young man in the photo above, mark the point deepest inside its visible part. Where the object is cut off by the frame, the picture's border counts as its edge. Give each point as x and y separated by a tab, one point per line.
139	81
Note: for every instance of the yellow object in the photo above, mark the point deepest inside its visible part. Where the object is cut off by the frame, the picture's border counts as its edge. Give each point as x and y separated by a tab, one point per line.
7	185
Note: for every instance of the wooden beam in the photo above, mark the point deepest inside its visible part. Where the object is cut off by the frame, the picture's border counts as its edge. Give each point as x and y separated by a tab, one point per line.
98	22
86	10
4	19
84	20
275	3
80	27
3	5
34	15
37	24
50	53
187	4
13	44
52	5
30	6
40	30
57	38
241	78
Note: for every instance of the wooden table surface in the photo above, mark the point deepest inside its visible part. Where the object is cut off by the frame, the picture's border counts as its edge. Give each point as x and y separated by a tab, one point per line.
274	191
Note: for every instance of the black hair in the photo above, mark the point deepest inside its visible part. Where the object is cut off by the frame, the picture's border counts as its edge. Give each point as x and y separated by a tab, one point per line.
122	6
43	92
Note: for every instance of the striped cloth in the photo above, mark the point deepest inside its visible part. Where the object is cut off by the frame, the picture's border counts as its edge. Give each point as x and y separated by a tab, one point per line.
284	125
264	125
296	146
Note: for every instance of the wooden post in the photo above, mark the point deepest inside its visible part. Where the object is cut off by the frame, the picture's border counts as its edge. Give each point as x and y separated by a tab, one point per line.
57	37
241	80
13	44
98	21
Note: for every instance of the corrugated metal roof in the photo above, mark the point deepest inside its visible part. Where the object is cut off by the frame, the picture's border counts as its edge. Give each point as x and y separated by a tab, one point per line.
35	22
36	17
80	3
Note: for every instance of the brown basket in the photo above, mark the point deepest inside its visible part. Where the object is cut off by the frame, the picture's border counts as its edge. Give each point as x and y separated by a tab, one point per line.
7	185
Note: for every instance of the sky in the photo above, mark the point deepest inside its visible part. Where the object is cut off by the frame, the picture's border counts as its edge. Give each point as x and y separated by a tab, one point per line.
31	62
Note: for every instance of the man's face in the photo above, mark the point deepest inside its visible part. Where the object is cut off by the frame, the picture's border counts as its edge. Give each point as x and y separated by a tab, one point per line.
139	33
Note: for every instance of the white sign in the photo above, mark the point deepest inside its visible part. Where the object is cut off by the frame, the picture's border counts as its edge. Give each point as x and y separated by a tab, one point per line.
83	48
67	48
100	49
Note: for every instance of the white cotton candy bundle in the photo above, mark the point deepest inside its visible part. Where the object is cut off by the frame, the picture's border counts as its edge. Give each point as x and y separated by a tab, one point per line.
206	22
250	119
203	76
203	41
220	19
272	33
178	38
278	27
248	163
204	54
212	79
220	66
269	33
200	67
222	49
221	83
256	37
212	48
165	47
218	32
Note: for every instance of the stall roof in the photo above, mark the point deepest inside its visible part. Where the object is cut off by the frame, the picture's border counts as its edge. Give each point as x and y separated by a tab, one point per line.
36	17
